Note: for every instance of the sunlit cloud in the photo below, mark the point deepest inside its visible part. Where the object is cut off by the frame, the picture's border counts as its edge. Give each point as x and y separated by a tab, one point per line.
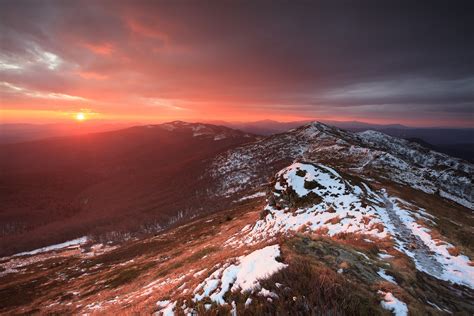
142	59
411	90
92	75
35	56
101	49
4	65
7	87
8	63
163	103
51	60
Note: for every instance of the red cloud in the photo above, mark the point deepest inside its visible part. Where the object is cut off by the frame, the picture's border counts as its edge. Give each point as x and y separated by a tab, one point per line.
101	49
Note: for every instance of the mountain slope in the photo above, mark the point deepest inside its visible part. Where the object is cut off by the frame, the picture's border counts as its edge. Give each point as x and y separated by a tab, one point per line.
121	181
370	154
321	242
313	221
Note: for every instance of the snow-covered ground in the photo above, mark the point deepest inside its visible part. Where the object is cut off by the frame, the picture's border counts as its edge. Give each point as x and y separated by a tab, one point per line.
430	255
252	196
314	197
362	153
75	247
391	303
336	205
242	275
341	210
65	244
347	207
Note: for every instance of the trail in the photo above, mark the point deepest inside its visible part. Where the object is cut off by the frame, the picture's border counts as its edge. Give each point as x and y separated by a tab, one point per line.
412	244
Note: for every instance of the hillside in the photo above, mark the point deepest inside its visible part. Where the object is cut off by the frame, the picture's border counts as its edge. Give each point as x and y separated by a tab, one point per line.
315	221
136	179
368	154
456	142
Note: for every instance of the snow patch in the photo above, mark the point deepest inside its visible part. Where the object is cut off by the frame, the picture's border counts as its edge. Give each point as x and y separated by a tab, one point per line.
385	276
74	242
244	275
342	206
166	308
252	196
391	303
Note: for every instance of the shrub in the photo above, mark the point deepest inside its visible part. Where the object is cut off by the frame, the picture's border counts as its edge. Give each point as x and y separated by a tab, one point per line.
311	185
300	173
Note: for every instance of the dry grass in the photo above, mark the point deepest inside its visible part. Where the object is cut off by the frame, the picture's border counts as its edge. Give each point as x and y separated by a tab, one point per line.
312	285
321	231
125	272
454	251
378	226
331	210
366	219
333	221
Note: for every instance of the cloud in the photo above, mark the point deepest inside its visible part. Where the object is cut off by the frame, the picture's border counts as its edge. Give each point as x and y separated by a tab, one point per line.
9	88
222	58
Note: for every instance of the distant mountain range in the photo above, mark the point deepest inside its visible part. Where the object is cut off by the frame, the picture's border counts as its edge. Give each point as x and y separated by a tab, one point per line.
15	133
456	142
269	127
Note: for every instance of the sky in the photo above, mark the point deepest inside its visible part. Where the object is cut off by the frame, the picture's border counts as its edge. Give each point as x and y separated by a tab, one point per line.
408	62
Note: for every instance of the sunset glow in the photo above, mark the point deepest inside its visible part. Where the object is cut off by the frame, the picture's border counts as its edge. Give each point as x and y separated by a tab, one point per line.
80	116
139	62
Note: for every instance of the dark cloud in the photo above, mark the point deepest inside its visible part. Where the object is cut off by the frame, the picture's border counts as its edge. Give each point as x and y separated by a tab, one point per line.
304	57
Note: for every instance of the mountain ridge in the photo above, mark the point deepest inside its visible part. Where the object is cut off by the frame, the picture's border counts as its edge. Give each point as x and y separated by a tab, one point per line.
357	151
314	220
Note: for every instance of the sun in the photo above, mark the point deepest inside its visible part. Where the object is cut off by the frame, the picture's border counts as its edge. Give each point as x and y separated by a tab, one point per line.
80	116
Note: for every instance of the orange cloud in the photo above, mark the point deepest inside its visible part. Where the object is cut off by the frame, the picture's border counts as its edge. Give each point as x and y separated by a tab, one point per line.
92	75
101	49
140	28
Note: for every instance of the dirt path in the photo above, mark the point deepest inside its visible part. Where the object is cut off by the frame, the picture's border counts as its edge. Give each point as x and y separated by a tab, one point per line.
412	243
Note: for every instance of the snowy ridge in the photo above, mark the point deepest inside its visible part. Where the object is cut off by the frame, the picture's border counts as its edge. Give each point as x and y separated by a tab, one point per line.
216	133
453	176
309	197
363	154
336	205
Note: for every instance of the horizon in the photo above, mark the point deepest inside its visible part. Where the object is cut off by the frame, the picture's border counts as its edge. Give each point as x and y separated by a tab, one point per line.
138	61
96	122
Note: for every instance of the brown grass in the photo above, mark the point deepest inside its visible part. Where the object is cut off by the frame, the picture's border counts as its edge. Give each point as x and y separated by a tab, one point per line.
366	220
454	251
333	221
378	226
309	289
323	230
331	210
